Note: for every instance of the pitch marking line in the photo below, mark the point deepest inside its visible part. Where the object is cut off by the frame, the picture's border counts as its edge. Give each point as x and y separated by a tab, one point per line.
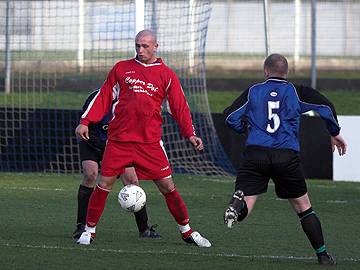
58	189
337	201
169	252
34	188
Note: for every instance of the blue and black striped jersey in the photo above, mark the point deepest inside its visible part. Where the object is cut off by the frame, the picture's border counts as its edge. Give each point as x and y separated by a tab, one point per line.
271	111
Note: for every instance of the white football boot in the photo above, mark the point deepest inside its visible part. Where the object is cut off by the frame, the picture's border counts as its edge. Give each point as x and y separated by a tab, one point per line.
197	239
86	238
230	217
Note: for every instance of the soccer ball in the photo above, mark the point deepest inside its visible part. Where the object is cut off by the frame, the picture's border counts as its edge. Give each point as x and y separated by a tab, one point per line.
132	198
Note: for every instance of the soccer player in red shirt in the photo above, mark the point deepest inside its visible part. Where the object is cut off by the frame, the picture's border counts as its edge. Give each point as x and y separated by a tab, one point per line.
140	85
91	152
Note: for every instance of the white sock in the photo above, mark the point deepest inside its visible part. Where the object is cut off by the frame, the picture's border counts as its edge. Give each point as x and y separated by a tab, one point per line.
90	229
184	228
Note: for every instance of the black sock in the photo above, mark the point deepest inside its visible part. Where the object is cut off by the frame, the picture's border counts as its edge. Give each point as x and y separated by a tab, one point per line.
84	194
243	212
312	228
141	219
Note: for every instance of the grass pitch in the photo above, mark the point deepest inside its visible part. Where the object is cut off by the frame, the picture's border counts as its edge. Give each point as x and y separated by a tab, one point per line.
346	101
37	217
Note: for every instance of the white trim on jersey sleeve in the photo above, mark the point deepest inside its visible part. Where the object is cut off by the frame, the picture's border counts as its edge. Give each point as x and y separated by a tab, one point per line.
89	106
116	94
116	91
165	106
168	86
163	148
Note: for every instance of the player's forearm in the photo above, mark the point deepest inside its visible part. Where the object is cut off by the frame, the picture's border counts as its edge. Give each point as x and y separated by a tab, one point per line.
180	111
325	113
189	132
239	102
312	96
235	120
84	121
185	123
99	106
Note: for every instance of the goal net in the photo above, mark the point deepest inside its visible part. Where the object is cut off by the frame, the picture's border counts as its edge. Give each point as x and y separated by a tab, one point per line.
54	53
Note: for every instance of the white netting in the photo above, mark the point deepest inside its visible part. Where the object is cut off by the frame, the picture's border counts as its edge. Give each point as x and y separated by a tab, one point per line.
59	51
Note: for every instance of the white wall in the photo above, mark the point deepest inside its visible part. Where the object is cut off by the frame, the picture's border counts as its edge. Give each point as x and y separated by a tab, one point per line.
234	26
347	167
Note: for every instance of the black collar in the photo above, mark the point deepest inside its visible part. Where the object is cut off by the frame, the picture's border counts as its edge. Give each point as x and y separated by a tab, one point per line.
277	78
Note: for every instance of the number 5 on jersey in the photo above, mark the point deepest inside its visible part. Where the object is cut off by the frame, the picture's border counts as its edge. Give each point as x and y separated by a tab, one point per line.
273	116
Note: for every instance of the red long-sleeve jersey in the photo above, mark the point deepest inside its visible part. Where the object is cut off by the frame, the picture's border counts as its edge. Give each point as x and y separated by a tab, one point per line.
140	91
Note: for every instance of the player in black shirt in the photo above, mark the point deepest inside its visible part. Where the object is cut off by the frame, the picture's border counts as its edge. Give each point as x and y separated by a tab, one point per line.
91	153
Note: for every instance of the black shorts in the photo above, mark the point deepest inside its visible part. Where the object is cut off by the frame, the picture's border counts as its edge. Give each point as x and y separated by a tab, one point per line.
90	152
283	166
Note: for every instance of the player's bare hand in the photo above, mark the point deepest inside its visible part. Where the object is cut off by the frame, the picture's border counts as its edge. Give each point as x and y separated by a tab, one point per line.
82	132
339	143
197	143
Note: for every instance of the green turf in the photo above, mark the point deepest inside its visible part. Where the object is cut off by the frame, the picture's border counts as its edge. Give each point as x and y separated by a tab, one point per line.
61	55
38	215
346	102
53	100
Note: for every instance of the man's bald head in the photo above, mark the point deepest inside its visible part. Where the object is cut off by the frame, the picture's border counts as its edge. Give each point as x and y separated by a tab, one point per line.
146	33
146	46
276	65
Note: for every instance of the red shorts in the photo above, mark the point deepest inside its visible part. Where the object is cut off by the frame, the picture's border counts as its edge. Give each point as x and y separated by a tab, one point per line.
149	159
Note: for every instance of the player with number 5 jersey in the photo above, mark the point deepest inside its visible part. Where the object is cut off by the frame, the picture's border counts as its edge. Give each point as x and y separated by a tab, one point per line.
270	112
